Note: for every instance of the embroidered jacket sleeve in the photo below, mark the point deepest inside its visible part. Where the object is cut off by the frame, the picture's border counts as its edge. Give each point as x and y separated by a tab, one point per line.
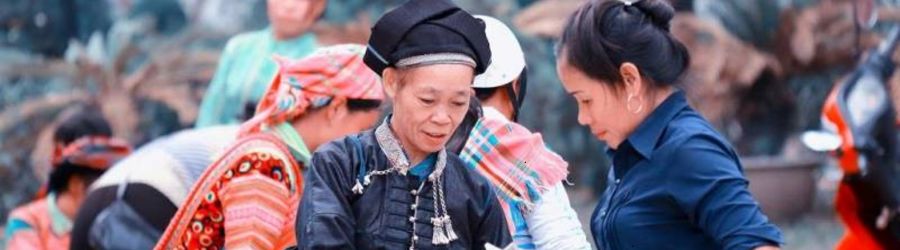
257	209
246	201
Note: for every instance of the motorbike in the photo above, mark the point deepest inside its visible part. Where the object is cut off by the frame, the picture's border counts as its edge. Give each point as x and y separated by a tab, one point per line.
860	131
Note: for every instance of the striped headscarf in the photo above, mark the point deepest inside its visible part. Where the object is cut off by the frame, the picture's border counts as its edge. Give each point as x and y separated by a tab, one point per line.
313	82
516	162
95	152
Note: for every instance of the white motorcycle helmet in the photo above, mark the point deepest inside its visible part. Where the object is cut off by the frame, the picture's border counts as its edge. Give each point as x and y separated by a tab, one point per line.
507	61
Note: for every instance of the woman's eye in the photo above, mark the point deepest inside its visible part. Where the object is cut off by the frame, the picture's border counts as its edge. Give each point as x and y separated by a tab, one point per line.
459	104
586	101
426	100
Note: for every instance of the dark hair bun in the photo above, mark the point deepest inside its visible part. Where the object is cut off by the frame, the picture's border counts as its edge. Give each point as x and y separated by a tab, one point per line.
660	11
602	35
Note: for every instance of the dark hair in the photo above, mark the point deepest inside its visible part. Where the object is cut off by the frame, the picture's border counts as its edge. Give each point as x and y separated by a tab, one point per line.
59	178
85	123
602	35
352	105
363	104
249	111
484	93
459	137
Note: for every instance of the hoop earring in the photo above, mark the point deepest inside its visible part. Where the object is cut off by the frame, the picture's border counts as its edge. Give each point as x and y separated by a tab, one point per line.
628	105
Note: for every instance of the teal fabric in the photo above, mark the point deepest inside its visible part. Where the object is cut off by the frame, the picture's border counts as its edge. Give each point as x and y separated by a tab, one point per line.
245	70
292	138
424	168
59	222
15	225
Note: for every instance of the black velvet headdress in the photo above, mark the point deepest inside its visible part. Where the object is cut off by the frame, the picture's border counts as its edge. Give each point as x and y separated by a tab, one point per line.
427	31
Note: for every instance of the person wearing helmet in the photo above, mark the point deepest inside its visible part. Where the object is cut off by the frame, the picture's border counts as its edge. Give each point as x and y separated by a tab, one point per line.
501	89
525	173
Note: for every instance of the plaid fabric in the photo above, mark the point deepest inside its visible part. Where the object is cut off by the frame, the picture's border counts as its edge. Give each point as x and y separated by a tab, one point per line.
516	220
518	165
312	82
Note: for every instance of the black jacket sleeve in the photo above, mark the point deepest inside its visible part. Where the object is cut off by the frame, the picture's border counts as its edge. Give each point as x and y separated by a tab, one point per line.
325	217
492	228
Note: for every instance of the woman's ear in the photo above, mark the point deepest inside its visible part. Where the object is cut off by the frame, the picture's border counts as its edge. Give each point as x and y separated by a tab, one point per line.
631	76
337	109
391	79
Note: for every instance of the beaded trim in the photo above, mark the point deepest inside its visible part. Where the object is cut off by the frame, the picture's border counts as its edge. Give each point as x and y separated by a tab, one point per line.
437	58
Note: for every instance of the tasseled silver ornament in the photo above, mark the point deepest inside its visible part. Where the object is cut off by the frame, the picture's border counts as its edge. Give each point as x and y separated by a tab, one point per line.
442	231
358	188
443	227
448	228
438	236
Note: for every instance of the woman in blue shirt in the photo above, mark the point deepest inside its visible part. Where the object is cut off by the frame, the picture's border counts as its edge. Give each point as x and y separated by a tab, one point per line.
675	182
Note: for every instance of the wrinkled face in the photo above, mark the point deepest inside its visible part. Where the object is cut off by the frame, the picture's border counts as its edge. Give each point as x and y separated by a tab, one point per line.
600	107
429	104
292	18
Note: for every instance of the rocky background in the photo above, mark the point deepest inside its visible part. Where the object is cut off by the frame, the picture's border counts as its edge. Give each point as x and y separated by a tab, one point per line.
760	72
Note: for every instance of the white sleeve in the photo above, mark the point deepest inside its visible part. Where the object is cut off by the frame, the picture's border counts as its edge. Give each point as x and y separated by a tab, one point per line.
553	223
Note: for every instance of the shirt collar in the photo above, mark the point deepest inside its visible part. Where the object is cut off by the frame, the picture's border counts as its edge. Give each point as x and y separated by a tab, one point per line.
303	41
424	168
59	222
396	155
295	143
493	113
645	137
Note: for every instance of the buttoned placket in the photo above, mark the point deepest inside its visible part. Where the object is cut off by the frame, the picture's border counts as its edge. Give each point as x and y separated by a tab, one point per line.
607	214
414	208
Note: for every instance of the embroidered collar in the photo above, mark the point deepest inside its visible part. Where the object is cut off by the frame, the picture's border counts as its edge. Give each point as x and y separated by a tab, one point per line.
442	226
390	145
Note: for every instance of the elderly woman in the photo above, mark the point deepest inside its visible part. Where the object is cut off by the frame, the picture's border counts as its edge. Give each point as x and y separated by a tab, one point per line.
397	187
245	68
247	199
675	183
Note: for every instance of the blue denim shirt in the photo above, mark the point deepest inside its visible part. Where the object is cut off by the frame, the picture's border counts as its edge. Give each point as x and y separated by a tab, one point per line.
676	183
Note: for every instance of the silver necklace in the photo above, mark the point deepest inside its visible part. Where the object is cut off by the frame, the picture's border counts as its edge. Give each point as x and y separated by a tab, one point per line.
442	232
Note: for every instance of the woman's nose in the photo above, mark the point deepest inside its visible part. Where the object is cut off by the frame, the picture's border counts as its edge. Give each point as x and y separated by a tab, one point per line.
441	116
583	118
